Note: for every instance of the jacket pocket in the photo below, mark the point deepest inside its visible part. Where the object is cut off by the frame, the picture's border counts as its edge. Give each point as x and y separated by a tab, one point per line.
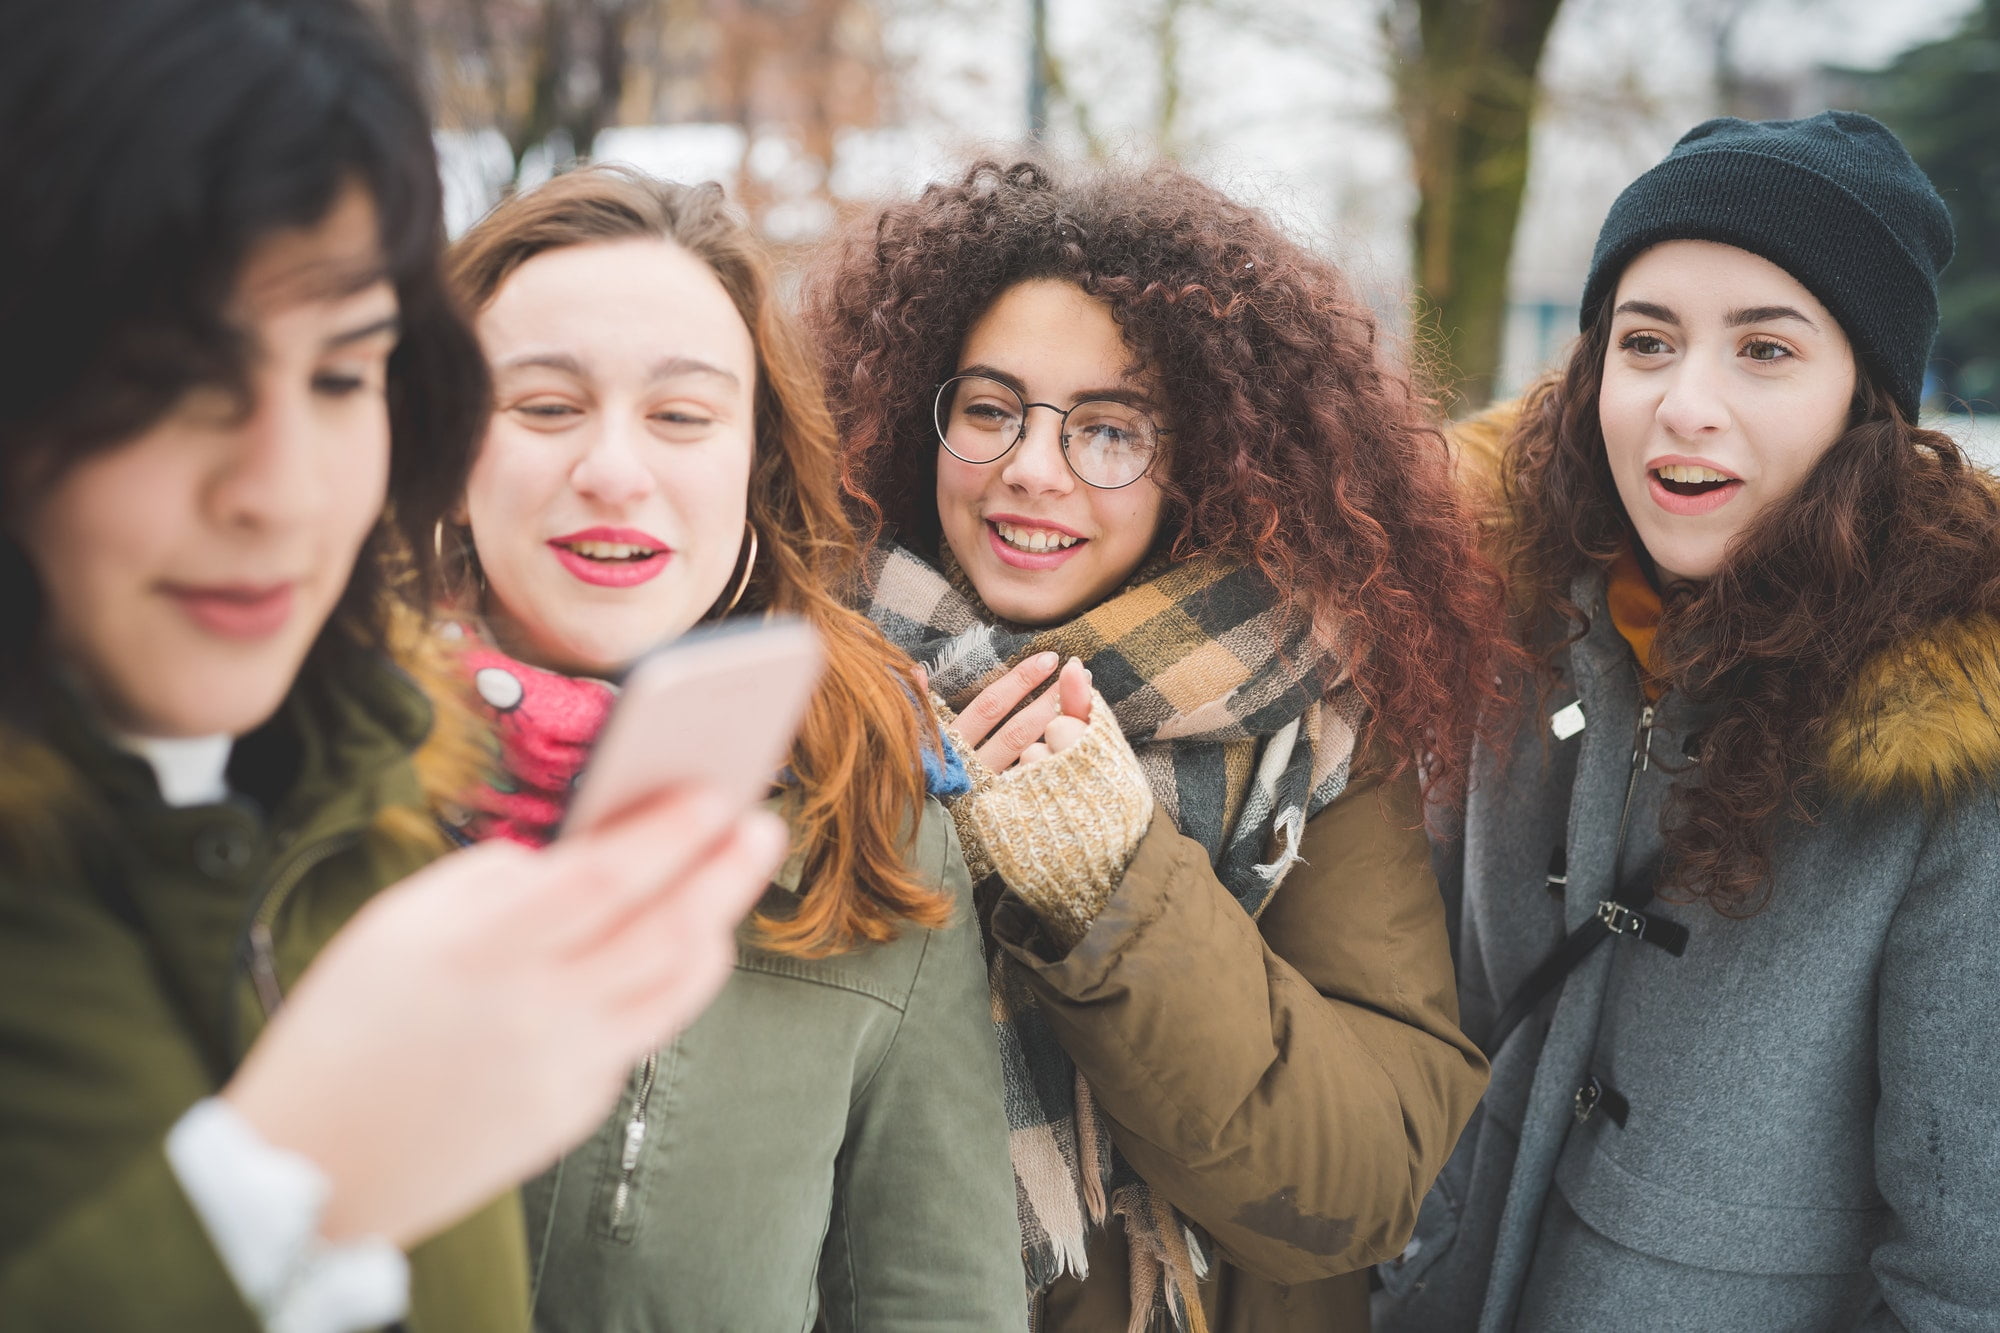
1674	1223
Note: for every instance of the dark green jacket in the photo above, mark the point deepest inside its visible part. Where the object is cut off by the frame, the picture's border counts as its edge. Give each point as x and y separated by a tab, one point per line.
828	1140
126	995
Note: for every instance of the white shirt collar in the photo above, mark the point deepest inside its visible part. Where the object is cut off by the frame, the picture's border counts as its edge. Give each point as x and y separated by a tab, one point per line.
190	770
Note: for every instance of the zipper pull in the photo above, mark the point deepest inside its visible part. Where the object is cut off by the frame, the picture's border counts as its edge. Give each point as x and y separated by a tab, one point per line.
264	968
1643	756
635	1135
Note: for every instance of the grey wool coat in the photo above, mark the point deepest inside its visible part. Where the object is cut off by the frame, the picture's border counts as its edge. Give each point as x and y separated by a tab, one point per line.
1810	1097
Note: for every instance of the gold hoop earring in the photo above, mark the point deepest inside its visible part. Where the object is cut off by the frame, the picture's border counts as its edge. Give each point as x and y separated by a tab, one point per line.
449	579
749	563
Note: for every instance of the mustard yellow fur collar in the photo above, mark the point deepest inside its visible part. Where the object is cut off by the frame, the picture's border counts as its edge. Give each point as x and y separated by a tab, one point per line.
1922	719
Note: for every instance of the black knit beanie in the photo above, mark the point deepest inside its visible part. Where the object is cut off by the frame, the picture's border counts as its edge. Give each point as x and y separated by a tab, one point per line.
1834	200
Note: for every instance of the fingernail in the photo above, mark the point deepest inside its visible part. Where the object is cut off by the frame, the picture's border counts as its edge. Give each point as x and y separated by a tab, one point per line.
1045	660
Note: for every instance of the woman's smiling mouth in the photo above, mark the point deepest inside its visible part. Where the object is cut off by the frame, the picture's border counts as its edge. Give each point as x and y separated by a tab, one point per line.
1026	545
1688	489
612	557
235	610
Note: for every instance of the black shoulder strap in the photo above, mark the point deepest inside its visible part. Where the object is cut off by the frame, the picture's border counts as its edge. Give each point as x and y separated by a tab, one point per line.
1623	913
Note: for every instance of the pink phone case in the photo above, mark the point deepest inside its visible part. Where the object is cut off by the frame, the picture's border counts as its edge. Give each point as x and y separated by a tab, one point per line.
715	708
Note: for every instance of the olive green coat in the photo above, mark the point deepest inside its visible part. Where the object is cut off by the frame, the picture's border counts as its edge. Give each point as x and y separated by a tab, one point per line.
827	1142
126	996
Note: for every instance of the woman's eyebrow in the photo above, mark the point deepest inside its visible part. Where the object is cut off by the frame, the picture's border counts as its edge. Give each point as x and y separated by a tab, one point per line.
559	361
1648	310
389	324
1129	397
1761	314
675	366
1114	394
1013	382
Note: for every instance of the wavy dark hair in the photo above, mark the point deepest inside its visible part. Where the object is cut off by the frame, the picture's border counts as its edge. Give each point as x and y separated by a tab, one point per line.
1300	446
146	148
1892	533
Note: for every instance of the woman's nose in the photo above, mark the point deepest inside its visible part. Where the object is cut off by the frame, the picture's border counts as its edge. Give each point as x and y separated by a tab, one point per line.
612	470
1693	403
1037	462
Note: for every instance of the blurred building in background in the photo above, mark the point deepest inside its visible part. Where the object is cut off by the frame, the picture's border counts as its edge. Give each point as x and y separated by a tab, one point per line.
1456	155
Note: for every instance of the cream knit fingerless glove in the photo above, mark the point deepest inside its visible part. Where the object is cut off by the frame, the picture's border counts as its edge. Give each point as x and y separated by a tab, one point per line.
1059	832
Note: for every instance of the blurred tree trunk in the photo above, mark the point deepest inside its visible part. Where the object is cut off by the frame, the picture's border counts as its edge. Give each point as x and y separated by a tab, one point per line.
1467	89
1940	98
593	98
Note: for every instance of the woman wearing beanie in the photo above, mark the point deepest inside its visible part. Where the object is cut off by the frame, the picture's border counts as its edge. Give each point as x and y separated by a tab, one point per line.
1721	900
1182	551
828	1141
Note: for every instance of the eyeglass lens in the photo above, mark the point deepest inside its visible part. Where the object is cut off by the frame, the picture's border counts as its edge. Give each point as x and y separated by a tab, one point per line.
1108	444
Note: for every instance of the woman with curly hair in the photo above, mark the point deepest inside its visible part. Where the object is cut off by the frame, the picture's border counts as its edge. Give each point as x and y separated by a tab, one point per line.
1119	431
1743	1039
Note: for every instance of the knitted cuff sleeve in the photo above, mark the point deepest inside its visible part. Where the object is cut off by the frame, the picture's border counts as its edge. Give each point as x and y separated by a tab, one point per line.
977	860
1061	832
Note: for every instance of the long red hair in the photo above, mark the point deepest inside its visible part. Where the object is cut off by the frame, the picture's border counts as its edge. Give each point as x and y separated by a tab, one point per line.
859	784
1301	446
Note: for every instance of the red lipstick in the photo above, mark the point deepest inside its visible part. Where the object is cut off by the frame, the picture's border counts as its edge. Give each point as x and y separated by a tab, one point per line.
645	563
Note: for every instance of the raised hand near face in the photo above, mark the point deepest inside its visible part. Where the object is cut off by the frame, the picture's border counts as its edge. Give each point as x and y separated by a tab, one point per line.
1050	723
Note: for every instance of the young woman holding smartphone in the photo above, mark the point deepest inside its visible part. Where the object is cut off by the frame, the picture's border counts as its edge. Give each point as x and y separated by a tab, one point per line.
1125	436
831	1134
1719	900
244	1083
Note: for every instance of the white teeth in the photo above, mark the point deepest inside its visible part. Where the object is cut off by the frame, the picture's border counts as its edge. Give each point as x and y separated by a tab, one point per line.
1689	472
1034	539
608	550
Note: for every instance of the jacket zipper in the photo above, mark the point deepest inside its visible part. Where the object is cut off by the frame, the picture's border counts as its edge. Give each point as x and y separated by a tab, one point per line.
635	1138
1642	759
263	949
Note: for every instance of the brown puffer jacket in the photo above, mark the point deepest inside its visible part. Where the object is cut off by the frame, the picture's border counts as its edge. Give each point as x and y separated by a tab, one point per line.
1290	1083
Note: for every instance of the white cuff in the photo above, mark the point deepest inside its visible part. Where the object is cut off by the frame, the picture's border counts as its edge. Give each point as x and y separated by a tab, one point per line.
261	1207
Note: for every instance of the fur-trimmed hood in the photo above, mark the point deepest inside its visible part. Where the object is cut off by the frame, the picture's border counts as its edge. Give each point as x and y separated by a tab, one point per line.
1922	718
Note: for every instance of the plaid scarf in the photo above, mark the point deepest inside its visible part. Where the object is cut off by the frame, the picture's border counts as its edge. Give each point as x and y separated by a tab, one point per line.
1244	724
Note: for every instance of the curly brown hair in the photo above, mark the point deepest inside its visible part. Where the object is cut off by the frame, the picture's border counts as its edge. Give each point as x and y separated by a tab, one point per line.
1892	534
1299	446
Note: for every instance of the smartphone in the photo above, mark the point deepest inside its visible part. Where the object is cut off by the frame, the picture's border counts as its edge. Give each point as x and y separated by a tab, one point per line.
715	708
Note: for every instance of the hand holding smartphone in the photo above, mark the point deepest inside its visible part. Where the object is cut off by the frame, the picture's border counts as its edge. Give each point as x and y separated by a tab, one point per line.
716	708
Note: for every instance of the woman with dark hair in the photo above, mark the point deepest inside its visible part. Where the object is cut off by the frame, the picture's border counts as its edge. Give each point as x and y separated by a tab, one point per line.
1721	900
1118	430
830	1134
231	346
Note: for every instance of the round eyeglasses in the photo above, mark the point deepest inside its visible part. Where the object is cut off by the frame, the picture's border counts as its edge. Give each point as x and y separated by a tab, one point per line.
1106	444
